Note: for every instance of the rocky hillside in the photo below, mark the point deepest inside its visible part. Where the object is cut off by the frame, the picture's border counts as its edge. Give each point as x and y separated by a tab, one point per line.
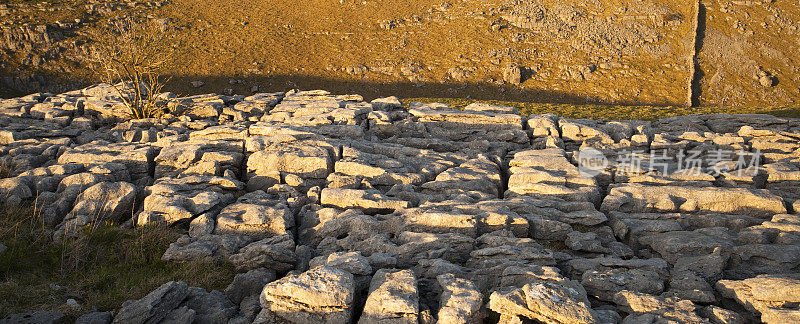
655	52
337	210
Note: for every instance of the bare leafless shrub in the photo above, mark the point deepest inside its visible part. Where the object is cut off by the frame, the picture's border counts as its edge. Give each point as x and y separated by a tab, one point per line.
132	57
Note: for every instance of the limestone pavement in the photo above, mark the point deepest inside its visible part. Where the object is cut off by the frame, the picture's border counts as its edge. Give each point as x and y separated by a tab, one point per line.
338	210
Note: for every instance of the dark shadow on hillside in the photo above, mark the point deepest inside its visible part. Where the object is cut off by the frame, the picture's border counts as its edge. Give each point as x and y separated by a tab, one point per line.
374	89
370	89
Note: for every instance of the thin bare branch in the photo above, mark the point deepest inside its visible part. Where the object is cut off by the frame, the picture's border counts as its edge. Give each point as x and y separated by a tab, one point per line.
132	58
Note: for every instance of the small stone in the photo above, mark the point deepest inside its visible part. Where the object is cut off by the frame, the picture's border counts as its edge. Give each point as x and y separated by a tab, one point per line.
293	180
765	79
73	304
513	74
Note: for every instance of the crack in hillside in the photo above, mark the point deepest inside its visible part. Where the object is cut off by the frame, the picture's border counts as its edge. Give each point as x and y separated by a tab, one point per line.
694	89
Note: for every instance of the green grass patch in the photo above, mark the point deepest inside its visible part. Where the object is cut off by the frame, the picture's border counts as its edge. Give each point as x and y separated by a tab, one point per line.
101	268
615	112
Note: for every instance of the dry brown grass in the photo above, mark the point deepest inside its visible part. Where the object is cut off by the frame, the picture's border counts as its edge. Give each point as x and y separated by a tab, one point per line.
5	169
279	45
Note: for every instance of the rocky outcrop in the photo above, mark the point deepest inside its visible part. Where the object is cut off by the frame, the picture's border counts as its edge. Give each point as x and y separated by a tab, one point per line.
548	173
547	302
644	307
258	214
154	307
393	298
642	199
99	203
322	294
461	301
333	209
172	200
775	297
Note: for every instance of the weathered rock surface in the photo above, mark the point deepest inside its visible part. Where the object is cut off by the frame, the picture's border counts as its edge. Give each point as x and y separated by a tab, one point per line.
136	157
548	173
775	297
642	199
393	298
216	247
364	199
461	302
249	284
276	253
322	294
334	209
96	317
547	302
155	306
172	200
474	122
644	307
102	202
43	317
256	214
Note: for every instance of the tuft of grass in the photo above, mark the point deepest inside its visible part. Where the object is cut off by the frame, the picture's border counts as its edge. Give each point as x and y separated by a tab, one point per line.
101	268
617	112
5	169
